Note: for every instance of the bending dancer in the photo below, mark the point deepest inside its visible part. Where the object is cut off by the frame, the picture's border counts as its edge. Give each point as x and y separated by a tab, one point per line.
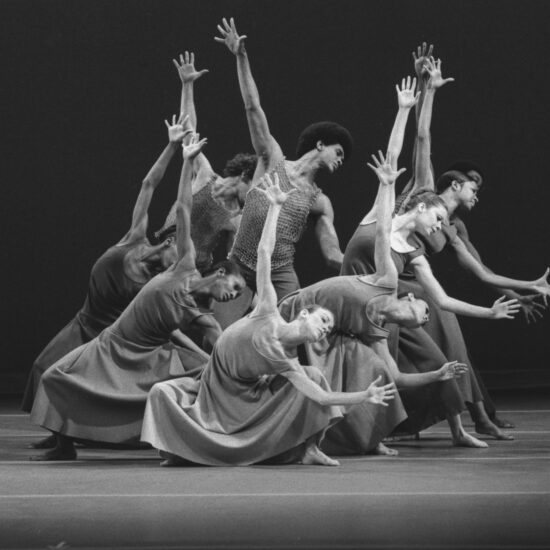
217	200
357	349
321	147
116	277
232	415
98	391
459	194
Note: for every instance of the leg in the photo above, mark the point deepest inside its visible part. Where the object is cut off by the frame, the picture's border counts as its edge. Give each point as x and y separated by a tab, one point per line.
484	425
314	455
285	281
64	450
460	437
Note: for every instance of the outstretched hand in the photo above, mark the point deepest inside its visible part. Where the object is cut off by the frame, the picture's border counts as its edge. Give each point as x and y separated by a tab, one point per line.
422	53
406	97
272	190
531	309
383	169
434	69
186	68
230	37
451	370
178	129
542	287
505	310
380	395
194	147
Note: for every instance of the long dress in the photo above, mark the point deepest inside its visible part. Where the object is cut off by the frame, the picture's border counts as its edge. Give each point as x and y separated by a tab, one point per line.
414	349
347	360
110	290
98	391
232	416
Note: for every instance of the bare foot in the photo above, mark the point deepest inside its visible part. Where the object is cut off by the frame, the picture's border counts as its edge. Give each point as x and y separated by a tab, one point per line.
488	428
314	455
171	460
502	423
467	440
55	454
382	450
49	442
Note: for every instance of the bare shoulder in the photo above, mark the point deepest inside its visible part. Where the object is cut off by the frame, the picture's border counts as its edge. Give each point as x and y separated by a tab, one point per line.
322	206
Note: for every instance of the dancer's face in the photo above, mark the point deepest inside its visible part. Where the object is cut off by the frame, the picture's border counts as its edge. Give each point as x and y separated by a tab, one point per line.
227	287
415	312
467	194
317	323
332	156
430	218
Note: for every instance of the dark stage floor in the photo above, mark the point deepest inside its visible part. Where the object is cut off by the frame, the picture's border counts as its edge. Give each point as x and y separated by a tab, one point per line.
431	496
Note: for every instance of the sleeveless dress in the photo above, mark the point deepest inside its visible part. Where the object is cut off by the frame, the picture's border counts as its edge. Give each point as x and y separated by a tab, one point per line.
98	391
290	225
347	360
110	290
413	349
231	416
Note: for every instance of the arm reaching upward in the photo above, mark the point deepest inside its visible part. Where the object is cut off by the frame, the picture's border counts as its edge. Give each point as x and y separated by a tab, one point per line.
140	218
263	142
267	297
184	203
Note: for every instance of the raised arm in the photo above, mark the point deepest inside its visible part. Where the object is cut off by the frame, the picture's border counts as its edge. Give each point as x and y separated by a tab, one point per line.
188	75
263	142
406	99
423	175
424	274
140	218
386	272
267	297
184	203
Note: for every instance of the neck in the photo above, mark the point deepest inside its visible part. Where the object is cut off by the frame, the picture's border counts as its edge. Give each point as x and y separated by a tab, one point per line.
403	224
306	166
450	201
290	336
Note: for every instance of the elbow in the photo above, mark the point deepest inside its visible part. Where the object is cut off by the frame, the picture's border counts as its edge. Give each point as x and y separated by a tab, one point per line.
148	184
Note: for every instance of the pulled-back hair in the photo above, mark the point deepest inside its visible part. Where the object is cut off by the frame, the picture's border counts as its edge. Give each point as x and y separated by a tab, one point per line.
329	133
229	266
446	179
241	163
426	196
466	166
311	308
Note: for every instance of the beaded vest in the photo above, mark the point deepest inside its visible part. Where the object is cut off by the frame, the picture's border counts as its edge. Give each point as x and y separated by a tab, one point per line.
290	226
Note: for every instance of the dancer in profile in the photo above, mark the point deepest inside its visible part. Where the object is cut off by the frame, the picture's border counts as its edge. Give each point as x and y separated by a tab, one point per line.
98	391
322	146
217	200
357	348
232	415
116	277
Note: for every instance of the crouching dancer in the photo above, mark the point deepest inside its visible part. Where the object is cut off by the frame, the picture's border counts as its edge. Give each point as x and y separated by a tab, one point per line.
235	414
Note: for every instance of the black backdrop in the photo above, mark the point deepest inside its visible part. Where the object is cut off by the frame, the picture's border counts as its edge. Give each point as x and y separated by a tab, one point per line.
85	86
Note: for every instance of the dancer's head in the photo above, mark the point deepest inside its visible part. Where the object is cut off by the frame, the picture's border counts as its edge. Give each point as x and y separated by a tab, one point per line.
168	253
429	211
471	169
227	281
313	323
459	187
240	171
409	311
331	141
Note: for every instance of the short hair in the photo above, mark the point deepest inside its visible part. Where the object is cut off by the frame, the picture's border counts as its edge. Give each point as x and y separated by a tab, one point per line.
241	163
426	196
229	266
446	179
329	133
312	308
466	166
165	232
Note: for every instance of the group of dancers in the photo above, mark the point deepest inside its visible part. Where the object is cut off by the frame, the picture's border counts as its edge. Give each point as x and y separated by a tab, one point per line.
336	368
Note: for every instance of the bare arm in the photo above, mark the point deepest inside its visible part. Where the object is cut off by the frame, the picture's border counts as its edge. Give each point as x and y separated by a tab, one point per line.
325	232
140	218
453	369
267	297
263	142
424	274
210	330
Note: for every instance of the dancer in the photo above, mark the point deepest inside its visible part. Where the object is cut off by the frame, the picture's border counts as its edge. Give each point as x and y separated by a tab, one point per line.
357	349
117	276
217	200
232	415
98	391
323	146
